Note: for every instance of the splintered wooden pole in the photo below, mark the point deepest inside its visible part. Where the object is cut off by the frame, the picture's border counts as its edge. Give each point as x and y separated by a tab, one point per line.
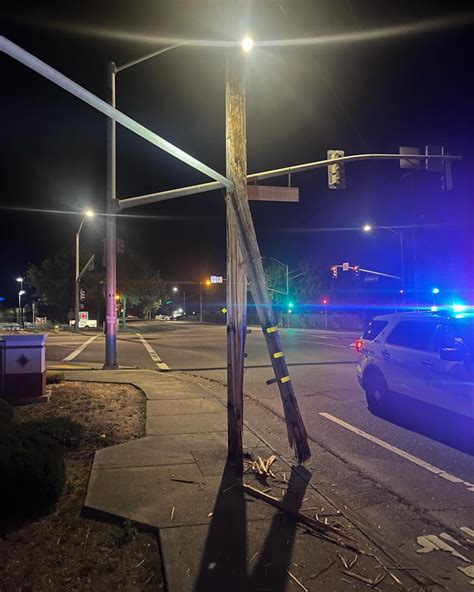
236	165
239	213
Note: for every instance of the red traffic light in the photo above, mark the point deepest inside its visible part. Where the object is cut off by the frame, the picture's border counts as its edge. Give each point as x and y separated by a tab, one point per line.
325	300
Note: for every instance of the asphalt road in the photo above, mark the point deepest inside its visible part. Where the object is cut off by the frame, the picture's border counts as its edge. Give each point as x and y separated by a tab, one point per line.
425	466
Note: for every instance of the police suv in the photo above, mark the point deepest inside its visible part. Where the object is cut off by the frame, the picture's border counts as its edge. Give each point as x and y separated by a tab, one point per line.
424	356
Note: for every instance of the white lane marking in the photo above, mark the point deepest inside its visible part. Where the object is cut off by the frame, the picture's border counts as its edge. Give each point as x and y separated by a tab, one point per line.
153	355
80	349
406	455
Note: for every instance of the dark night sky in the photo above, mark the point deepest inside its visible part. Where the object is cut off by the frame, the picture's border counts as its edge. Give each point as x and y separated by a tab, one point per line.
361	96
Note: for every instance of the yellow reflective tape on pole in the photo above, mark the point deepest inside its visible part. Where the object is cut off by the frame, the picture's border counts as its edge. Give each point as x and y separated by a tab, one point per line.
278	355
272	329
285	379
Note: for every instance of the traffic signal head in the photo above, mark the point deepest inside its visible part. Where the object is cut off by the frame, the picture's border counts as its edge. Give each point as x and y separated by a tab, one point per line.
208	282
290	304
325	300
334	271
120	246
336	171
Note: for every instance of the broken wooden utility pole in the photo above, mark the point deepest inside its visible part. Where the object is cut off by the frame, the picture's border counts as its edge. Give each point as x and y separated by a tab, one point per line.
236	171
240	215
244	261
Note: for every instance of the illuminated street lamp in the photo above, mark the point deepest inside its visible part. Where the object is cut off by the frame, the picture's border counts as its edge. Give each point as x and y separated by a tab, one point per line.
176	289
87	214
247	43
20	294
368	228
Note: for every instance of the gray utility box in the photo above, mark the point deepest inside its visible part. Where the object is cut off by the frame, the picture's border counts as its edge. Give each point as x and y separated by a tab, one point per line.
23	368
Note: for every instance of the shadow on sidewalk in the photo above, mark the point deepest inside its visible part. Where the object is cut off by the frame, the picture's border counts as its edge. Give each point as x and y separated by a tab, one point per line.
224	565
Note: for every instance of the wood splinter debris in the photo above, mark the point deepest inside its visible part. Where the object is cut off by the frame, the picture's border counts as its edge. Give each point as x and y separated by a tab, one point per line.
172	513
184	481
87	536
262	467
311	523
295	579
368	581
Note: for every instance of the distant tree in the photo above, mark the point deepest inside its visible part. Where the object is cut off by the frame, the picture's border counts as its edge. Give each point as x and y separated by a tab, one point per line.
53	283
307	286
93	284
275	275
138	284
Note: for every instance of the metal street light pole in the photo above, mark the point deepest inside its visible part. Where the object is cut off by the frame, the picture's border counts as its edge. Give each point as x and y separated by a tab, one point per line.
200	304
111	234
112	208
87	214
20	294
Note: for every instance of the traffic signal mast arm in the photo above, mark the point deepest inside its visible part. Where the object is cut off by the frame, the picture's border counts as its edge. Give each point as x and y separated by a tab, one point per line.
359	269
40	67
254	177
86	266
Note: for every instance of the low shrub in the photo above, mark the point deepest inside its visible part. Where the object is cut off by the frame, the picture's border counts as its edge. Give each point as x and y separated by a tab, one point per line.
54	377
64	431
6	411
32	469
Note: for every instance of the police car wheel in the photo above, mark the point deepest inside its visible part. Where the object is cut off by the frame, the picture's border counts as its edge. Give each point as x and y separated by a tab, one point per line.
376	392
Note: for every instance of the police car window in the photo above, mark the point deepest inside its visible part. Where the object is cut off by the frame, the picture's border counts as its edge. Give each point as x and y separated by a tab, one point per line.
412	334
443	336
374	329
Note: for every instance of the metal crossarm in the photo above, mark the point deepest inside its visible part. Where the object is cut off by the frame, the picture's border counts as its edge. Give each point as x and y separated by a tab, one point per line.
40	67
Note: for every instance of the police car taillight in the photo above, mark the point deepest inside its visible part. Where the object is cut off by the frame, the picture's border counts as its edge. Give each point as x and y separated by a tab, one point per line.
359	344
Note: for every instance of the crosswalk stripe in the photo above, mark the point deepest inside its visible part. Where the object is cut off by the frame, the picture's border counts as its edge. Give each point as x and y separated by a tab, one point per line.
80	349
153	355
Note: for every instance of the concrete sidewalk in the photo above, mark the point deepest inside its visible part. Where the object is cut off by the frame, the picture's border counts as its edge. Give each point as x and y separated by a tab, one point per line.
213	536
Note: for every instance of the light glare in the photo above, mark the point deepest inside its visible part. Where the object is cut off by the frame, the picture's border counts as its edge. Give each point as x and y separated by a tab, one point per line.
367	228
89	213
247	43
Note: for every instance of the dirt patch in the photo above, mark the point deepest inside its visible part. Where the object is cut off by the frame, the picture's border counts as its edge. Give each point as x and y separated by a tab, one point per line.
65	551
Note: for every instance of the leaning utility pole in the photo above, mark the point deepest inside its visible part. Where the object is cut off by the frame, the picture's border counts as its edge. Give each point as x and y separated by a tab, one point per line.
244	261
236	171
111	234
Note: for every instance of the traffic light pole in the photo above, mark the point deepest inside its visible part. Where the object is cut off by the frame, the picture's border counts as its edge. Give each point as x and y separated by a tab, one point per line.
111	234
77	285
236	171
